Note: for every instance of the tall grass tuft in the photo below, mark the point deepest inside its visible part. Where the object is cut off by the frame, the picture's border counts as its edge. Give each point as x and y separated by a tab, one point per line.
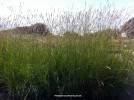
88	63
84	65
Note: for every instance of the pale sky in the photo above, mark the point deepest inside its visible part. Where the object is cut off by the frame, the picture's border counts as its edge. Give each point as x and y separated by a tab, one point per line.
45	6
12	7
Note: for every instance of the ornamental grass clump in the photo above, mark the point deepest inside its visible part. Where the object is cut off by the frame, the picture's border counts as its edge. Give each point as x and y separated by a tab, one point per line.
77	66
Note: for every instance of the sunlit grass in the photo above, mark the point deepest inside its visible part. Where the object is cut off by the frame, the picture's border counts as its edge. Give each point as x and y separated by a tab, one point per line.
93	65
37	67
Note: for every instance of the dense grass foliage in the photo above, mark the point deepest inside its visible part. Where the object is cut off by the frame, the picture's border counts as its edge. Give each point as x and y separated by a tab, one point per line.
40	67
94	65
